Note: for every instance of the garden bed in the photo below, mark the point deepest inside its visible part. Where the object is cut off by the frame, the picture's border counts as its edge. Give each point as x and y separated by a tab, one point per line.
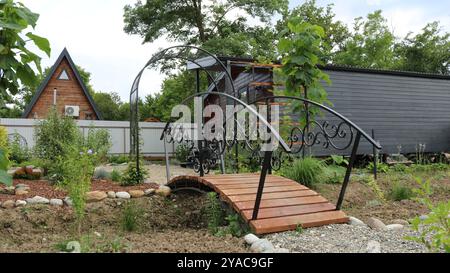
45	189
175	224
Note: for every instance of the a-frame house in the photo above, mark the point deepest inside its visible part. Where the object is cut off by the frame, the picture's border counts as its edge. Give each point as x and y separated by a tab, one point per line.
64	89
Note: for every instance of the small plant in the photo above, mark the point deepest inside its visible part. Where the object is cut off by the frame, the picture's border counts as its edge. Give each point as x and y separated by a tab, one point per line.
339	160
116	176
18	152
434	230
306	171
99	141
420	153
400	168
299	229
400	192
214	212
5	178
119	159
132	177
182	153
381	167
131	216
373	185
101	173
333	174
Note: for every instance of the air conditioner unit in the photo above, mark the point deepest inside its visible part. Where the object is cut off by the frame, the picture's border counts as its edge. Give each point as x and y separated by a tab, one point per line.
72	111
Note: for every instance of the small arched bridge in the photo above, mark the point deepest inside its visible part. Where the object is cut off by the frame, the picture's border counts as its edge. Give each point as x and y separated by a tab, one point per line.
267	202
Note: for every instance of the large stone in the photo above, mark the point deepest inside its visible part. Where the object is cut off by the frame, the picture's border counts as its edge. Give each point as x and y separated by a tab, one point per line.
73	247
68	201
9	204
95	196
111	194
163	191
376	224
11	190
149	192
123	195
250	238
20	172
21	191
355	221
29	169
37	200
136	193
400	222
278	250
56	202
261	246
20	203
394	227
373	247
36	173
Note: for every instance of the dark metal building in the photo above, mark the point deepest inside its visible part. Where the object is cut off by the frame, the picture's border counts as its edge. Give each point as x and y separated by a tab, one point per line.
404	109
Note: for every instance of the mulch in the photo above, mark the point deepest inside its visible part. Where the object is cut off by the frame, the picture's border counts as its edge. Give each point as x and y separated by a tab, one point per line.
45	189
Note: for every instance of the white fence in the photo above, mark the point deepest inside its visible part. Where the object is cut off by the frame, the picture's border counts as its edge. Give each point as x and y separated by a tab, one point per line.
119	130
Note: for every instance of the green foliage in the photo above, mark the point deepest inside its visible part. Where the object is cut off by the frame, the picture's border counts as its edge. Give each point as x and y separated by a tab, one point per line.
78	165
299	229
132	177
305	171
4	140
339	160
53	134
299	48
214	212
400	192
118	159
333	174
109	105
234	227
116	176
401	168
182	153
131	215
16	60
5	178
373	185
99	141
18	152
434	231
381	167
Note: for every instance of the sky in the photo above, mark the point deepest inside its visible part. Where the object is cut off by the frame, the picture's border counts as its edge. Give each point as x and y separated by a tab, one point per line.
92	31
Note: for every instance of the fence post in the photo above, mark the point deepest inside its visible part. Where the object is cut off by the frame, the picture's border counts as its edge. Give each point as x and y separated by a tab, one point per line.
262	180
375	157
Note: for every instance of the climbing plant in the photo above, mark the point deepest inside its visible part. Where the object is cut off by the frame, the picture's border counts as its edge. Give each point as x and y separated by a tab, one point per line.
300	53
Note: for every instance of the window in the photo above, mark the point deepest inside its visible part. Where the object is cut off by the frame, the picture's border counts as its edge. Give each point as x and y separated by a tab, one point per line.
63	75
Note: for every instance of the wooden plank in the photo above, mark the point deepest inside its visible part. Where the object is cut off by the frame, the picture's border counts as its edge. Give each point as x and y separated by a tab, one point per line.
272	195
234	182
251	186
288	211
281	202
254	190
271	225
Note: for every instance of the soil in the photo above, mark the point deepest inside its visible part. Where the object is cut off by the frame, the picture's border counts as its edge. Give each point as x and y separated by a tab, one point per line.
45	189
177	224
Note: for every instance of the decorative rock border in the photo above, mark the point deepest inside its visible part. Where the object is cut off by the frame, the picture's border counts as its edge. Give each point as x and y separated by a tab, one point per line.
91	197
258	245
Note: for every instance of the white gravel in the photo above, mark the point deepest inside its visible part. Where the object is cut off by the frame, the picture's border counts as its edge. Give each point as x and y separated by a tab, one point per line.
345	239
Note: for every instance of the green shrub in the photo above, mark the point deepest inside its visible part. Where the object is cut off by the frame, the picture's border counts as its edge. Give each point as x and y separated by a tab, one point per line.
400	192
101	173
116	176
132	177
333	174
18	153
338	160
381	167
234	227
182	153
4	140
53	134
434	230
307	171
401	168
78	168
214	212
131	215
5	178
99	141
119	159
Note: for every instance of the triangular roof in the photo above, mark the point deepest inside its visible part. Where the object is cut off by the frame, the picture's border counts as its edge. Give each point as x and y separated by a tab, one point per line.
64	54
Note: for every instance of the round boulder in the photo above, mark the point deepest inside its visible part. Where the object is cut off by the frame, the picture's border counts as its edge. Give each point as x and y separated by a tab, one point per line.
9	204
163	191
136	193
123	195
95	196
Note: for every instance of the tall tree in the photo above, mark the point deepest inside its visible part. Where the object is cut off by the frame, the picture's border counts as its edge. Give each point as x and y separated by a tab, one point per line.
371	44
335	31
428	51
203	23
16	60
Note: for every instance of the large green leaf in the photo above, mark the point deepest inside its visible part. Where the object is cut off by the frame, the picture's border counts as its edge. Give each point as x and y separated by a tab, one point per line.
42	43
5	178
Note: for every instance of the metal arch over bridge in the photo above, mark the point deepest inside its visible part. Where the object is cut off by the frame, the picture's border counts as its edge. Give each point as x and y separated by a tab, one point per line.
268	203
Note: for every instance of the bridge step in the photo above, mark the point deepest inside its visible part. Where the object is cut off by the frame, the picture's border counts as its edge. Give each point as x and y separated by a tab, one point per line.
285	204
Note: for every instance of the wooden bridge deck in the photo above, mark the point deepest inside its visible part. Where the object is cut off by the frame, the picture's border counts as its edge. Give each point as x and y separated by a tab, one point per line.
285	204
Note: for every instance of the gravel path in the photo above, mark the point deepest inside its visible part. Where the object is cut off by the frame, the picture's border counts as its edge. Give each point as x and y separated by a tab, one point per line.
345	239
